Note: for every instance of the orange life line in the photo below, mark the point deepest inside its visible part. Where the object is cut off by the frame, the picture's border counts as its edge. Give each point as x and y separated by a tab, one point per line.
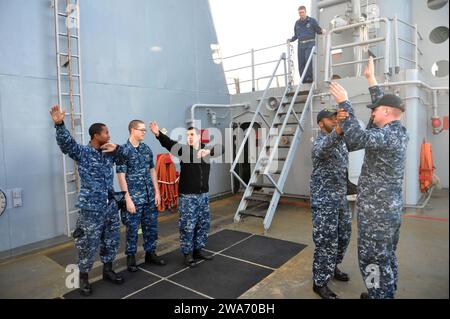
426	170
167	182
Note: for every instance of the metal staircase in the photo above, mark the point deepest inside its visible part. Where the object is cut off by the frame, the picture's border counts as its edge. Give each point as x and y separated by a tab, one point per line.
69	89
265	187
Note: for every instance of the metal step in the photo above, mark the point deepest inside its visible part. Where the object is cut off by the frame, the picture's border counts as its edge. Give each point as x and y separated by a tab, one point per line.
296	112
67	74
66	54
253	213
259	198
262	185
279	146
66	16
296	102
305	91
301	99
65	35
288	123
68	94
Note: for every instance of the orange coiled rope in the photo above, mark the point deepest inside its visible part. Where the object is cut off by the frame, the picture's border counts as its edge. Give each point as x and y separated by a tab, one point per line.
168	179
426	171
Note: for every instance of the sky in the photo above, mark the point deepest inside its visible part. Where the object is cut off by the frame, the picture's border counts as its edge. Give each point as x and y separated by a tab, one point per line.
245	24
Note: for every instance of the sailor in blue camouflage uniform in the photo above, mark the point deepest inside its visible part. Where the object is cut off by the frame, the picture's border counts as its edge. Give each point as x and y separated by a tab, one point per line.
331	216
194	209
305	31
137	178
98	222
379	201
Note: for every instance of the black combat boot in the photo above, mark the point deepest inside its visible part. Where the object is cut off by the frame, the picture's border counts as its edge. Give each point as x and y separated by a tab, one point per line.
198	254
151	257
110	275
364	295
324	292
189	261
85	287
131	264
341	276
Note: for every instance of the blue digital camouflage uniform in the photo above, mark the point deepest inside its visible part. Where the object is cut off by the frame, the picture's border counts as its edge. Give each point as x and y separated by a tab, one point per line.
331	216
305	30
137	168
194	221
379	201
98	221
193	200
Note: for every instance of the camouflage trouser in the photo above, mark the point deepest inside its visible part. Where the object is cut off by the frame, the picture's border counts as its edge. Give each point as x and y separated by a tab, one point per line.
97	227
378	236
332	229
147	216
194	221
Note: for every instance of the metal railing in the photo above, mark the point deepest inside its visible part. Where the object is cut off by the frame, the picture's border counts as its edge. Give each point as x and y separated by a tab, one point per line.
253	66
390	39
258	113
290	110
414	42
330	48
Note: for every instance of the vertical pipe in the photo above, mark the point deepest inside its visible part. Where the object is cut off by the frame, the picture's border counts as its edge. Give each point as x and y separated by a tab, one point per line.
287	69
387	60
237	85
327	57
396	46
253	69
231	148
416	45
435	104
357	51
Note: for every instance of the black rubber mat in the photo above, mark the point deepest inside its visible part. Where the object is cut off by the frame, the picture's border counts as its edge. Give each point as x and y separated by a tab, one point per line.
224	239
106	290
174	262
246	260
222	277
69	255
66	256
166	290
265	251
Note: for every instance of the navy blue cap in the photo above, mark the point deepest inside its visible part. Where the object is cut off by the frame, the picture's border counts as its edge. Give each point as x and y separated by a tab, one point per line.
390	100
326	113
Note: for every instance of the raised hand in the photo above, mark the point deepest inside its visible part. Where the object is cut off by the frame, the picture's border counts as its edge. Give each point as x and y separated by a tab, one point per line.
154	128
338	92
203	153
57	114
341	115
108	147
369	70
